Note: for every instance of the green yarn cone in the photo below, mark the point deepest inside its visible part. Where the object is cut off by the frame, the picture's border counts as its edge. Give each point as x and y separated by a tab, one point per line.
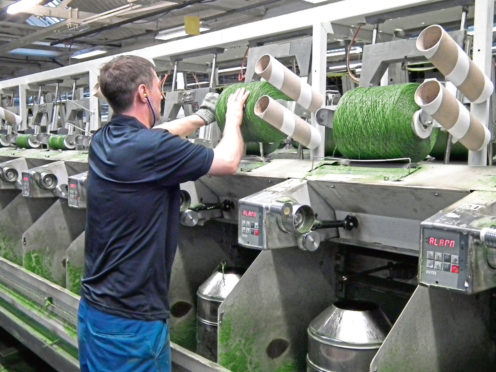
253	129
22	140
56	142
375	123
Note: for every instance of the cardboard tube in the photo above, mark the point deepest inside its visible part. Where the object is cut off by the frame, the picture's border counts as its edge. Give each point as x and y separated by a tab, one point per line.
287	122
438	102
444	53
289	83
10	117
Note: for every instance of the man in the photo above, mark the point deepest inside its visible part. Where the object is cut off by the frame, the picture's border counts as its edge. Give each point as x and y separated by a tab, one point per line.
133	216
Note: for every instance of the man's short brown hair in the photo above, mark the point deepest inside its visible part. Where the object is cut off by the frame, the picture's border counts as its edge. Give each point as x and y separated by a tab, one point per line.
119	79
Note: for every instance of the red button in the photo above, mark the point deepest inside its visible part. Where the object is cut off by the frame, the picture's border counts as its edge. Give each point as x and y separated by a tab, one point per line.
256	232
455	269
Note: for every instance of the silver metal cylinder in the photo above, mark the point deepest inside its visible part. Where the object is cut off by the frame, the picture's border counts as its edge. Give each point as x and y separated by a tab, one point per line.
345	337
210	295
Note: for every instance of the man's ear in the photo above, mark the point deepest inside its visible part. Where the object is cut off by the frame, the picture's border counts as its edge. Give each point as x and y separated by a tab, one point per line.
142	92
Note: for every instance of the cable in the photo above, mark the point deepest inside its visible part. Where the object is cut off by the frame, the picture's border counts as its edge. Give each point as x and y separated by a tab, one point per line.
153	111
241	74
352	76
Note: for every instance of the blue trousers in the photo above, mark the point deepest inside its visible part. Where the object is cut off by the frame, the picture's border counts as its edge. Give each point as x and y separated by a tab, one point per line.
109	343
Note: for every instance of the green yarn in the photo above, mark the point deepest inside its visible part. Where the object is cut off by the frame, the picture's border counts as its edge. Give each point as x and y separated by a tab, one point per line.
56	142
330	147
253	148
375	123
458	151
22	140
253	129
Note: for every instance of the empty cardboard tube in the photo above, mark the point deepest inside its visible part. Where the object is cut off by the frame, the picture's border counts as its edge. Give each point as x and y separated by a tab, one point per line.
289	83
438	102
287	122
10	117
452	61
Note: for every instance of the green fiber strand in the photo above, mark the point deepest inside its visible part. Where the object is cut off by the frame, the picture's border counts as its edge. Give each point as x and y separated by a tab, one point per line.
57	142
329	144
253	148
253	129
376	123
458	151
22	140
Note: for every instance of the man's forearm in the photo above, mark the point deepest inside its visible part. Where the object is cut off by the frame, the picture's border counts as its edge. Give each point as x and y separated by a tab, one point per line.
229	151
182	127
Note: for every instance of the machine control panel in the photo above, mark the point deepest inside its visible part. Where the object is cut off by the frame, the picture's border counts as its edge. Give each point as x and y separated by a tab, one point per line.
26	185
443	260
458	245
76	194
250	226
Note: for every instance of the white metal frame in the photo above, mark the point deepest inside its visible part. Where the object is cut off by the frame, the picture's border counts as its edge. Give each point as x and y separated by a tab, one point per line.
319	18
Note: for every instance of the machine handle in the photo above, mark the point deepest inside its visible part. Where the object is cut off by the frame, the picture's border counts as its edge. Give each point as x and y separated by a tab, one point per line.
310	241
349	223
225	205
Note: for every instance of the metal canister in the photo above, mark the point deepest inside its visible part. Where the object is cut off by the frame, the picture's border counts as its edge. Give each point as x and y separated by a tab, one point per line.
209	297
346	336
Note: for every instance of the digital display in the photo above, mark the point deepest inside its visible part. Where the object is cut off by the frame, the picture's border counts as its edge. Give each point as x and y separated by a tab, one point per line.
72	185
249	213
440	242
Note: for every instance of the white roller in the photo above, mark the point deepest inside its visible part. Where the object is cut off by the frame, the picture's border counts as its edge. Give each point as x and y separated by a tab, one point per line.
452	61
452	115
273	71
287	122
461	69
461	126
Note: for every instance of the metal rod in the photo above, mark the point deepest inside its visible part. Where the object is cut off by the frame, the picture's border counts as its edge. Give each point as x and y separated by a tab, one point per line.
463	21
447	152
213	71
174	77
74	90
375	31
55	110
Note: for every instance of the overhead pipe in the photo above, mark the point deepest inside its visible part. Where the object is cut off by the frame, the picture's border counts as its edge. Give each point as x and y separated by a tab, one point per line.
444	53
10	117
289	83
438	102
287	122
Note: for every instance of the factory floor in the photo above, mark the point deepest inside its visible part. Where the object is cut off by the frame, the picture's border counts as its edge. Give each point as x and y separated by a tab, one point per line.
14	357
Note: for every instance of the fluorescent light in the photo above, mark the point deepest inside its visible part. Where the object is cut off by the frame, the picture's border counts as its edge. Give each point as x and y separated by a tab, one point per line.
199	83
353	66
22	6
87	53
315	1
34	52
341	51
176	32
231	69
47	44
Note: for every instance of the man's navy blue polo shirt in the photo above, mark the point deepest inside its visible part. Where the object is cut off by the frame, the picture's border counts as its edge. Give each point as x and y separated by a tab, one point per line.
132	221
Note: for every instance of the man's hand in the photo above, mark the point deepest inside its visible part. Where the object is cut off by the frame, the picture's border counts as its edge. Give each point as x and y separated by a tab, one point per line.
207	108
228	153
235	106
